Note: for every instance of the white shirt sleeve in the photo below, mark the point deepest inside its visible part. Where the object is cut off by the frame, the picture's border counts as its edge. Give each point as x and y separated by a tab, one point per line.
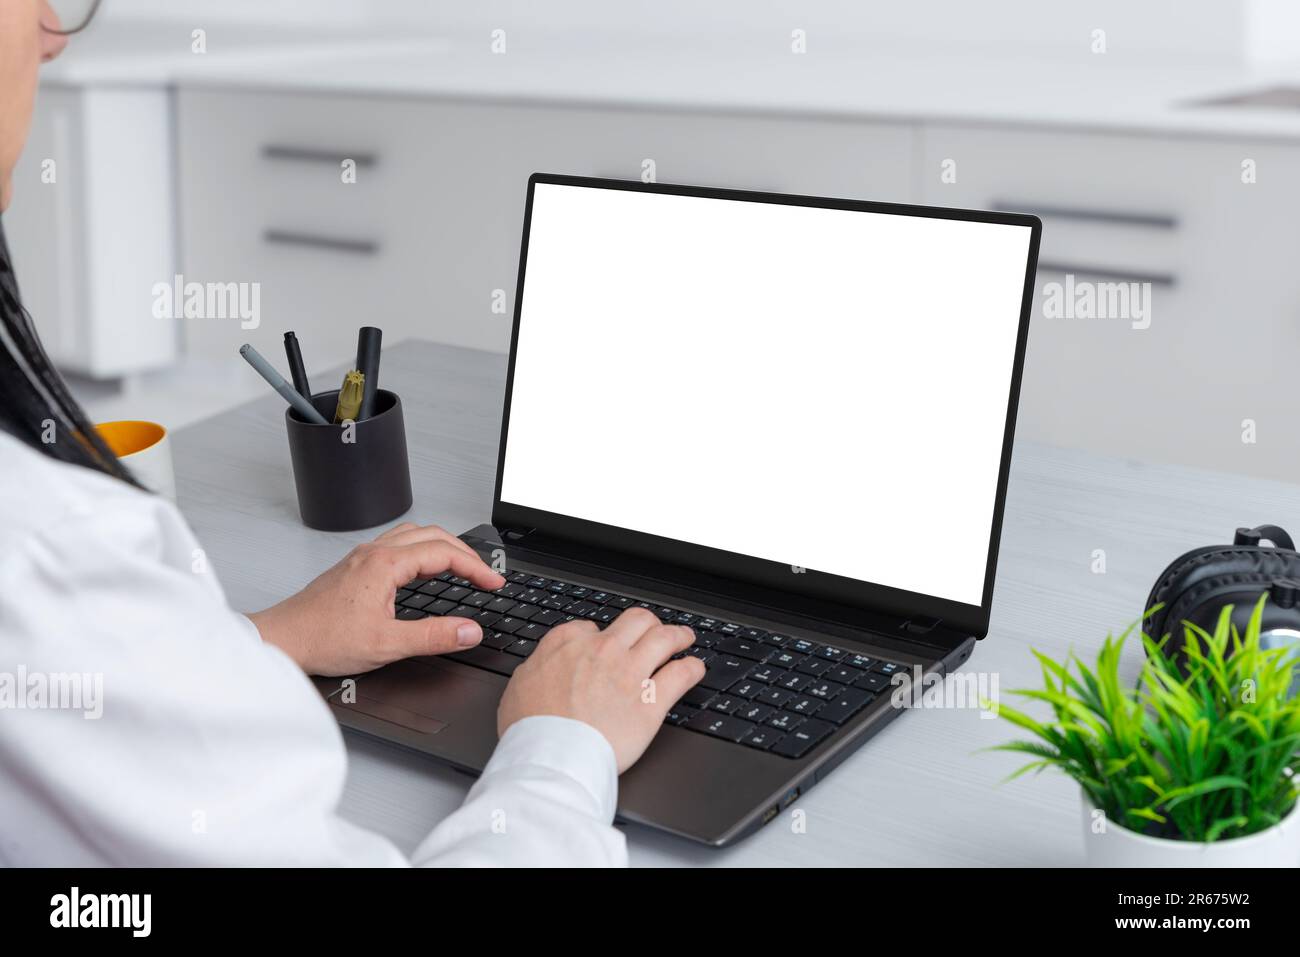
213	748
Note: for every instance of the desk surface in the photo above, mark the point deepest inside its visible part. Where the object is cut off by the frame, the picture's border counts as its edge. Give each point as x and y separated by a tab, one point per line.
921	792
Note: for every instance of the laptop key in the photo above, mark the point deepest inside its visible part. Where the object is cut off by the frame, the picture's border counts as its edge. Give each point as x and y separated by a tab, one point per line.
440	607
826	690
463	611
844	675
455	593
753	634
785	659
746	689
794	682
501	605
813	666
757	713
521	647
860	662
804	705
496	639
889	668
511	590
785	721
697	697
487	618
871	681
509	625
525	612
775	697
548	617
679	714
741	648
618	601
409	614
480	598
533	631
517	577
416	600
831	654
723	672
719	725
434	588
403	593
725	704
761	738
846	704
802	739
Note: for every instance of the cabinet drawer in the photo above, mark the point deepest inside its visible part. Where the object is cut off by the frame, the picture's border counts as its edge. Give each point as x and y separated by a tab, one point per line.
1225	299
431	229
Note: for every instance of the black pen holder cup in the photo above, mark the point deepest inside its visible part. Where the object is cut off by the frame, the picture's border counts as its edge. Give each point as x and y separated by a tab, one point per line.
350	477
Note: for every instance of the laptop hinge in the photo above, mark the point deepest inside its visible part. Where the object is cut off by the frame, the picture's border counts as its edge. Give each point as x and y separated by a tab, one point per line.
921	626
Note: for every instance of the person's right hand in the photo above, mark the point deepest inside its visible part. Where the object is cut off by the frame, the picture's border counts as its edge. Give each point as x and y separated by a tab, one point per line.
615	680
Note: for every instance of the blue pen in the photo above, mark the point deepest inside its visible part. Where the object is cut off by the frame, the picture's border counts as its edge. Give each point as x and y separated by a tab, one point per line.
278	383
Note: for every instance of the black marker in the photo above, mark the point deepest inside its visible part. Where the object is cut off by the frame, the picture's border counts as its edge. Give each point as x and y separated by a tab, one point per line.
296	369
368	365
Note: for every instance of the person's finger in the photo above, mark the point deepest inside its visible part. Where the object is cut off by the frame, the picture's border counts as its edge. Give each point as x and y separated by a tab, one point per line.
578	628
395	530
631	625
675	679
412	534
659	644
431	636
431	558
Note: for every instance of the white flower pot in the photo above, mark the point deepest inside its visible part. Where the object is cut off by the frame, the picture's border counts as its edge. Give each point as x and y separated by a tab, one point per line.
1107	844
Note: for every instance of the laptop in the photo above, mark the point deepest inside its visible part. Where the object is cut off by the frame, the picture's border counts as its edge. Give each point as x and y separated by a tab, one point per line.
784	421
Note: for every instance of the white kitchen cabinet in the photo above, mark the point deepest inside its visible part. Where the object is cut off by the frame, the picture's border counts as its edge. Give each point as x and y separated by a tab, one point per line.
91	227
1224	334
429	231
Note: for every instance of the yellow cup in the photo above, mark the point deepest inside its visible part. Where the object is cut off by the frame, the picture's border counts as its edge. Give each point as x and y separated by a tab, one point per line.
145	449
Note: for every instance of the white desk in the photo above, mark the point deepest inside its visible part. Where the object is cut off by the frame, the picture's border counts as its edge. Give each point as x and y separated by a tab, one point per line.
920	792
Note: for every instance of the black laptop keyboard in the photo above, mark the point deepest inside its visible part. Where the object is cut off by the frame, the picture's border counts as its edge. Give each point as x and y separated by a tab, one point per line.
760	689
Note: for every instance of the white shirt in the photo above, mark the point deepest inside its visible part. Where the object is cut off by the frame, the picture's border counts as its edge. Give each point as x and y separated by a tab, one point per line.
211	747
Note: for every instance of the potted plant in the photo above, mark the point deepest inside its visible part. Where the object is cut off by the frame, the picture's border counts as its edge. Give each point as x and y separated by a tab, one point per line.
1194	765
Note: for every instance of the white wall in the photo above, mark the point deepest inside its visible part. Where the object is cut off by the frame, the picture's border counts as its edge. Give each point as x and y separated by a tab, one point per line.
1135	29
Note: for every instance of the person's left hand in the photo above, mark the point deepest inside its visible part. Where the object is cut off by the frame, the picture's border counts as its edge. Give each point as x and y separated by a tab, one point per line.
342	623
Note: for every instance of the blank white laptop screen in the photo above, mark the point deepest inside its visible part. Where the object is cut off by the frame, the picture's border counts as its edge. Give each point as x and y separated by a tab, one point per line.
818	387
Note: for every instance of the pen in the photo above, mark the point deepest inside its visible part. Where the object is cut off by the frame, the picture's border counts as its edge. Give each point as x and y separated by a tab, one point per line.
267	372
349	397
368	365
296	369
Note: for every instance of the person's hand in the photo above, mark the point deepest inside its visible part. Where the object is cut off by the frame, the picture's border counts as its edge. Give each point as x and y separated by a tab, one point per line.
343	624
615	680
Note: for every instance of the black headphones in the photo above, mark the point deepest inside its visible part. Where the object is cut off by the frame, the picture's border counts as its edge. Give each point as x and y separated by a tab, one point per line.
1198	585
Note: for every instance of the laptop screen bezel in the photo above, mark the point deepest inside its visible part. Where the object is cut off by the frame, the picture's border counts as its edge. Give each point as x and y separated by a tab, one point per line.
811	583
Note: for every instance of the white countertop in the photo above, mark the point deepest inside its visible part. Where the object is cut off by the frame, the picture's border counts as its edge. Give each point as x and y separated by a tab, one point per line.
1097	91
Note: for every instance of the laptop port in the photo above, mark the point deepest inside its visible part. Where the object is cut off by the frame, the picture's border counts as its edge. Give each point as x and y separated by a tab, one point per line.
790	796
771	813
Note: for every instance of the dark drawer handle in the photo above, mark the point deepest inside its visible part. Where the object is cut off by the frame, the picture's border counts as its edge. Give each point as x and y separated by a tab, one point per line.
303	154
1106	274
284	237
1152	220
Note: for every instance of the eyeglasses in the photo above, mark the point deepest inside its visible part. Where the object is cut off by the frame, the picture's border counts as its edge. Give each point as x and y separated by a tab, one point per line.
74	15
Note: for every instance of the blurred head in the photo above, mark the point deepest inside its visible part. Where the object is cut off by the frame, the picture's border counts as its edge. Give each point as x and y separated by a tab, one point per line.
24	45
